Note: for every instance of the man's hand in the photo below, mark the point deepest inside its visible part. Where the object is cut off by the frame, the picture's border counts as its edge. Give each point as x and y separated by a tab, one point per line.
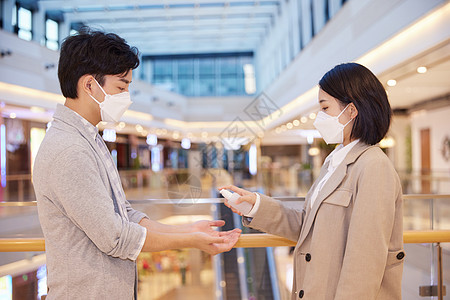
206	226
216	244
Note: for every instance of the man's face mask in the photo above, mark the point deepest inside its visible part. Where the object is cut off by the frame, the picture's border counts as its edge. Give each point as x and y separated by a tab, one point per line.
114	106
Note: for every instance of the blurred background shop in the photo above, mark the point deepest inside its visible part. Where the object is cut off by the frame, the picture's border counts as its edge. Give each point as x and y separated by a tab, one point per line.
226	92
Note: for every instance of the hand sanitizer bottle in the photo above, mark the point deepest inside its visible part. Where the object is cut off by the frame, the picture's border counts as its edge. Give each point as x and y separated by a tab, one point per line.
243	207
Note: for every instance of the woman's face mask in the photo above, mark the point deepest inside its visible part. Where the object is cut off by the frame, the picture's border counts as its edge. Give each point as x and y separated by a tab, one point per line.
114	106
330	128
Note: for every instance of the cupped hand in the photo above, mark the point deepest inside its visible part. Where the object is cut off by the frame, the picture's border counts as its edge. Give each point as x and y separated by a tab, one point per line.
217	244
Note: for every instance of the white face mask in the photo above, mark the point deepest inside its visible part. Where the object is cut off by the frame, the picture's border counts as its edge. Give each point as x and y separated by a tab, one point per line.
330	128
114	106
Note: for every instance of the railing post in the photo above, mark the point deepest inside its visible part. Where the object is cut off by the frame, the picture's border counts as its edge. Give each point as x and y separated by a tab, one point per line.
21	190
439	267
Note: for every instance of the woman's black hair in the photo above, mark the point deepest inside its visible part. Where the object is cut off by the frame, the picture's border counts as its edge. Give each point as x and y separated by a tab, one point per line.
96	53
354	83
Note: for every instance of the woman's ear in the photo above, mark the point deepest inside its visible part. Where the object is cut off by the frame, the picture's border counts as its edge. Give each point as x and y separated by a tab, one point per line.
353	111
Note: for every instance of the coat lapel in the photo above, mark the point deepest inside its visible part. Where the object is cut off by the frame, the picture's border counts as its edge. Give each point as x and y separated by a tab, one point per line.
67	117
329	187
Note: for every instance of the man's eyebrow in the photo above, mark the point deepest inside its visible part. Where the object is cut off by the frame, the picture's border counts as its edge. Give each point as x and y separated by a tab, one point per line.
125	80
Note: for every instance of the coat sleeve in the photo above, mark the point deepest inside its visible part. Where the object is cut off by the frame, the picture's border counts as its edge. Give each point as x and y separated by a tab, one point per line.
81	195
275	218
135	216
370	229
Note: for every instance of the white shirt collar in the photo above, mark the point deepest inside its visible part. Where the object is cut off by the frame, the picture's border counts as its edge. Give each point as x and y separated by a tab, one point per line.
339	153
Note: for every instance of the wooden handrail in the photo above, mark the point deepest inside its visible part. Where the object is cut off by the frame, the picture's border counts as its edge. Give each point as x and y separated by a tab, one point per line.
255	240
220	200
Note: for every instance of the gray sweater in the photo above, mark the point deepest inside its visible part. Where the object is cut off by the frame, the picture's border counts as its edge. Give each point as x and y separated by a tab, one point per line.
91	249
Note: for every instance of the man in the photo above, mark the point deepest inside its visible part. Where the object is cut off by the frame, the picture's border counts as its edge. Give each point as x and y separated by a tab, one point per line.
92	234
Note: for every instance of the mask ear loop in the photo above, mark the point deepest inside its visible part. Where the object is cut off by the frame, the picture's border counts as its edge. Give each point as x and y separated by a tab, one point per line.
342	113
99	103
100	87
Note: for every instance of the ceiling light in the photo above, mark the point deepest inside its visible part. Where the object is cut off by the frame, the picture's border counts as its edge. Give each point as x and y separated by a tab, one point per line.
139	128
36	109
387	142
391	82
312	116
421	70
296	122
313	151
304	119
289	125
186	143
12	115
152	139
278	130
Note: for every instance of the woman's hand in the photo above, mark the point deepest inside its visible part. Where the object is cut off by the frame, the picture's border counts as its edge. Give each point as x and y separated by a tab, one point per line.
246	196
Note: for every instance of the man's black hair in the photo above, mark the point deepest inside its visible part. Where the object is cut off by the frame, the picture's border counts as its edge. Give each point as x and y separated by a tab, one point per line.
96	53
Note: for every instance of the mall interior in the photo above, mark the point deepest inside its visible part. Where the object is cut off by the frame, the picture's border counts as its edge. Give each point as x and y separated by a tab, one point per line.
227	93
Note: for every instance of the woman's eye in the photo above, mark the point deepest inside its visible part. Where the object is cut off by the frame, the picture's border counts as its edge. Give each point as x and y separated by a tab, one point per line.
121	89
324	108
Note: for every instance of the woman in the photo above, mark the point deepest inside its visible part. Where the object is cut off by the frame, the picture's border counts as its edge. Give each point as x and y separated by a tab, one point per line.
349	233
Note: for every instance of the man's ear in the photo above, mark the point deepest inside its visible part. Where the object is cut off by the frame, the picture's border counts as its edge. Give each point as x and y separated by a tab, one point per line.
86	82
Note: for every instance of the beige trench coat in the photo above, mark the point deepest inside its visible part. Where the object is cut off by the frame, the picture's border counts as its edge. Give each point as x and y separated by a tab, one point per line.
350	243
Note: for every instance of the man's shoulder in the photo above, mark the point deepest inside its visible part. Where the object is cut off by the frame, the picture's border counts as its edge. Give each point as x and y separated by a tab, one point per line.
57	144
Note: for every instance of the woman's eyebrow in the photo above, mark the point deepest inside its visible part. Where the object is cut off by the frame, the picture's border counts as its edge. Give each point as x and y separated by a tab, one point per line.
323	100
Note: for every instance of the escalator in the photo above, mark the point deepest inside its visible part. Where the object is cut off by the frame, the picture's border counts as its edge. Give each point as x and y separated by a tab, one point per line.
248	273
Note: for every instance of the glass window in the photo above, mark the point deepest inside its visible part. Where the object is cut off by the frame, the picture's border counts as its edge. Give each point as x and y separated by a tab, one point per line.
185	66
228	86
51	34
207	85
186	85
206	66
24	17
311	11
327	11
228	65
162	67
14	16
200	75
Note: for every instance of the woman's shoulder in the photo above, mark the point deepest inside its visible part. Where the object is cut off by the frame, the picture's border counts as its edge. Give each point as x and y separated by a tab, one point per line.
375	157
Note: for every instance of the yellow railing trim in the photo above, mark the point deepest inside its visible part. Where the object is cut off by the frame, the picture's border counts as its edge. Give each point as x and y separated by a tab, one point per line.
405	197
245	241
